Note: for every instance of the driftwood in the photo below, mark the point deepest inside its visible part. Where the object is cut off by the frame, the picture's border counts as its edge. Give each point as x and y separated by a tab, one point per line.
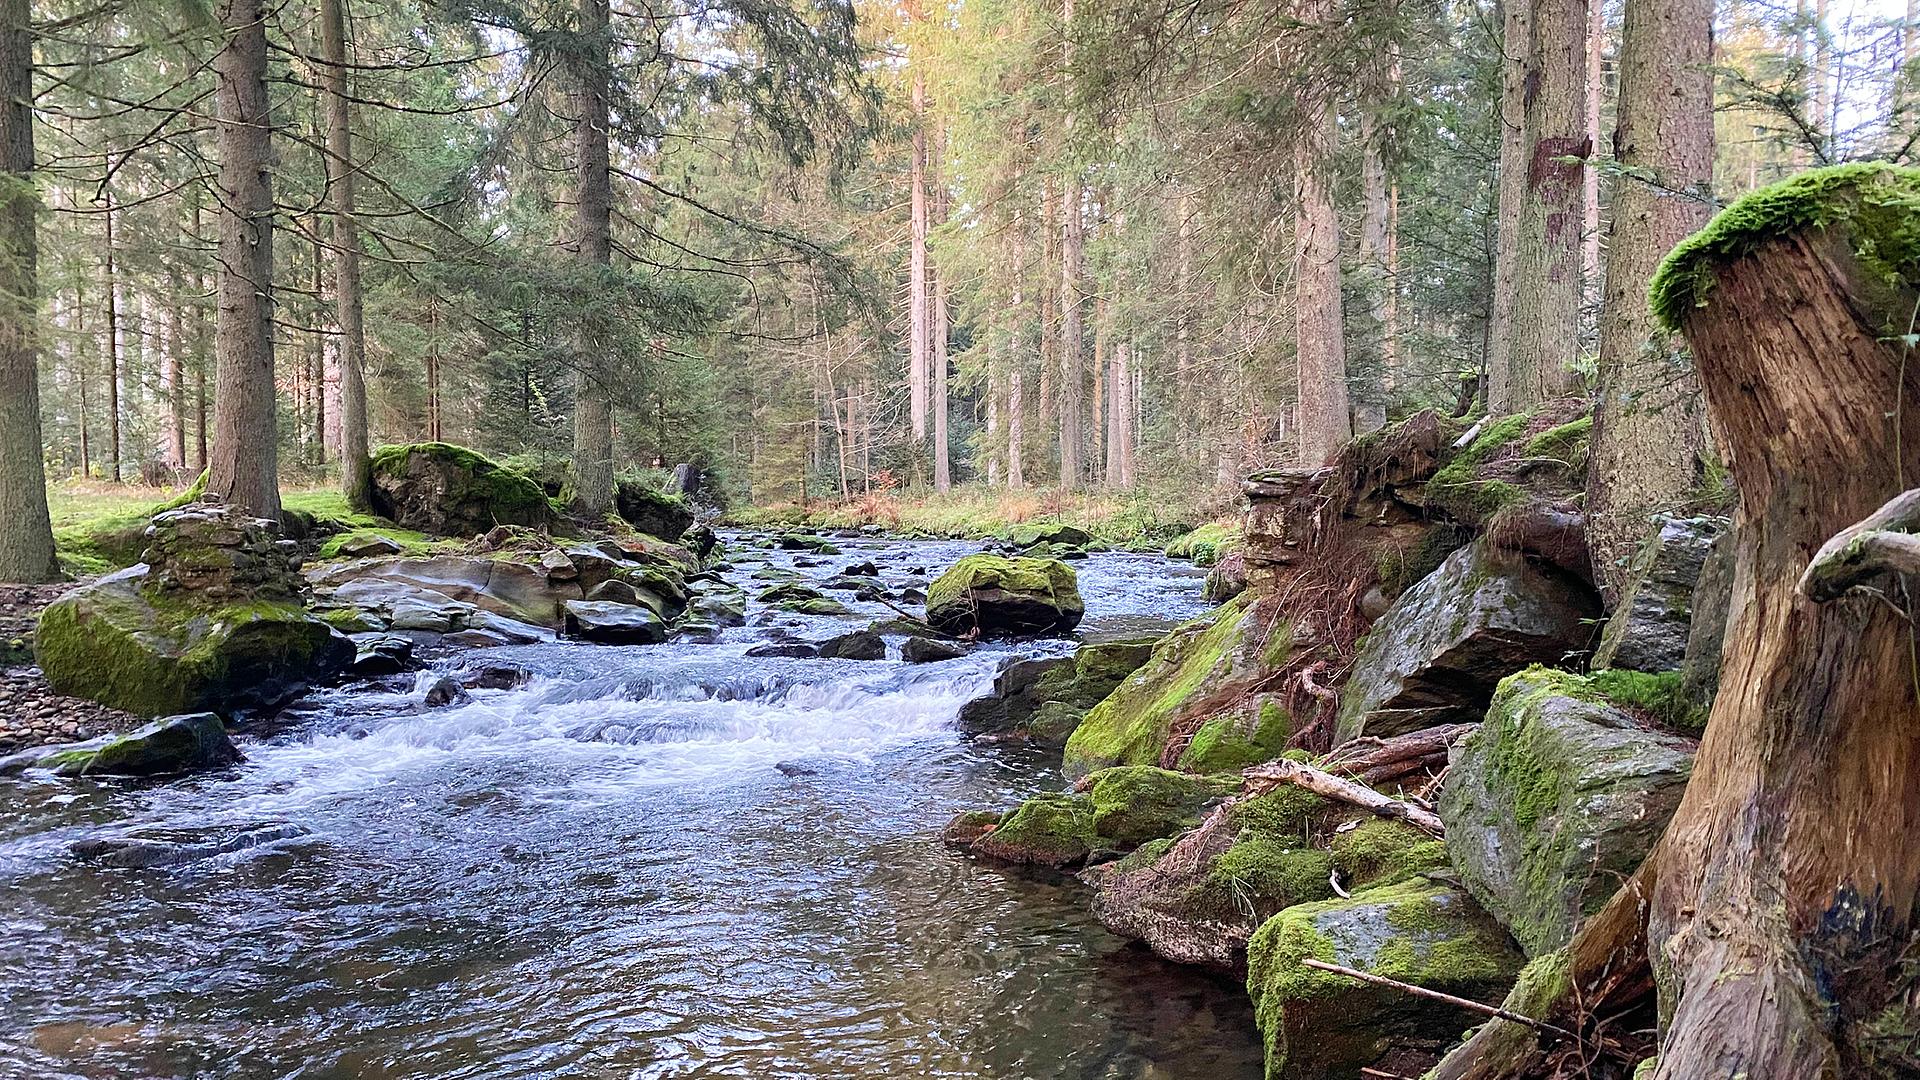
1435	995
1375	761
1274	773
1879	544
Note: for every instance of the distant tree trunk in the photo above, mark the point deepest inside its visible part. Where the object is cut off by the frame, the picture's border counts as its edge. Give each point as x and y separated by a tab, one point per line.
1547	281
110	345
1120	409
1590	272
1017	363
1648	433
1072	269
202	340
593	403
173	372
1376	213
349	311
996	394
1047	299
26	537
937	339
1102	391
919	276
245	469
1516	46
1324	423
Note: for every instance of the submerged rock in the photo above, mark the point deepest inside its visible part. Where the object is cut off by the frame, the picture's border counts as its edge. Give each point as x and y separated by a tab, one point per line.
925	650
991	596
1436	655
1554	800
167	746
452	491
152	852
1654	613
381	654
792	650
1419	931
858	645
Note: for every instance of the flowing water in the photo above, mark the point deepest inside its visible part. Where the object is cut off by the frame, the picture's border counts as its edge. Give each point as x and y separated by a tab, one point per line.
667	861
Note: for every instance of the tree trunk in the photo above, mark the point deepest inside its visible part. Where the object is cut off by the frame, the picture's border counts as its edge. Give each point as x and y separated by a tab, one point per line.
244	470
1370	408
110	344
1324	422
1789	877
1648	433
1547	278
919	306
593	403
26	537
349	312
173	373
1017	363
1516	46
1072	259
937	337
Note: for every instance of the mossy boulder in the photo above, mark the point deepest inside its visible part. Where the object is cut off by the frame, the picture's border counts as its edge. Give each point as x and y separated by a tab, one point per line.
1441	648
1554	800
1378	851
154	652
1132	724
1119	810
653	512
1026	536
613	623
1235	738
1047	698
453	491
1419	931
1198	898
167	746
994	596
1500	1049
1206	544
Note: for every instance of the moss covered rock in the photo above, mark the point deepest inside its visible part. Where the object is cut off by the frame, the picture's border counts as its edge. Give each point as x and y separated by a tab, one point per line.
124	643
1317	1023
453	491
1554	800
1136	803
993	596
1439	651
1206	544
1026	536
1047	698
168	746
1052	830
1132	725
651	511
1236	738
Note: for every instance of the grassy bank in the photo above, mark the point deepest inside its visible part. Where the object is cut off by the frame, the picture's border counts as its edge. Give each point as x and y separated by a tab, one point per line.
1133	519
98	526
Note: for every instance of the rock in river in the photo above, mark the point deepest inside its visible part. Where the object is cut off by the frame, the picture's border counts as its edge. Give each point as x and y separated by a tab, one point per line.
993	596
614	624
170	745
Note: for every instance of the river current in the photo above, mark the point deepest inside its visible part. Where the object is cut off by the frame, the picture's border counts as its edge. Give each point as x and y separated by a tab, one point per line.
647	862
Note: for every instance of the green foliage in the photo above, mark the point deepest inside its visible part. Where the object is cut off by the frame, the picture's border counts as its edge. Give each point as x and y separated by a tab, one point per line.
1459	490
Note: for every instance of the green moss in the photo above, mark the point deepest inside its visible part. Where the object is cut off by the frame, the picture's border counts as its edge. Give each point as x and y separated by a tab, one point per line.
1399	569
1131	725
511	497
348	620
1136	803
1875	202
1206	544
820	605
1284	811
1052	830
1567	443
1222	746
1655	695
1048	578
1460	491
412	544
1258	876
1380	852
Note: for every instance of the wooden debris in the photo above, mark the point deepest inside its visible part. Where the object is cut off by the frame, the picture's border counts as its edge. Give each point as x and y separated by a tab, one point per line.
1435	995
1272	774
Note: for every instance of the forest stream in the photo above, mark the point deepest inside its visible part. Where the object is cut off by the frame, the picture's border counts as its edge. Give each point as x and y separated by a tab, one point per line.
664	861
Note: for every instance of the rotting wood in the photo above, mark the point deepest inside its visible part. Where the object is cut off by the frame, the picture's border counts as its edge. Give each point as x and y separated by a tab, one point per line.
1272	774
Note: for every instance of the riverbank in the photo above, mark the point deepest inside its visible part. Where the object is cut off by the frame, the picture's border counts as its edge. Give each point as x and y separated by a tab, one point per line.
1133	520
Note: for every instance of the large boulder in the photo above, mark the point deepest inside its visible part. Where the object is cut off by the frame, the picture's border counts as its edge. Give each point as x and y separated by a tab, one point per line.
1653	615
214	619
1437	654
652	512
168	746
1046	698
992	596
1554	800
1418	931
1026	536
519	585
452	491
1203	661
1712	606
614	623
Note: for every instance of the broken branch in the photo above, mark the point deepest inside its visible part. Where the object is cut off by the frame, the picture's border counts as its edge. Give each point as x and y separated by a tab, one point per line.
1274	773
1435	995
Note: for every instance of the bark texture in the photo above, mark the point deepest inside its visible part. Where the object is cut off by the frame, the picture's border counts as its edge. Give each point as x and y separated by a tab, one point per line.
593	402
1516	44
1789	876
1325	423
244	469
1648	431
919	278
26	538
1545	334
355	479
1072	269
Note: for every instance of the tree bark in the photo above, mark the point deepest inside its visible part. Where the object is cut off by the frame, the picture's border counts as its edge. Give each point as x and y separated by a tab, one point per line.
1648	433
1547	279
110	343
1324	423
26	537
919	307
1072	269
1017	363
349	312
592	401
244	471
1516	45
937	338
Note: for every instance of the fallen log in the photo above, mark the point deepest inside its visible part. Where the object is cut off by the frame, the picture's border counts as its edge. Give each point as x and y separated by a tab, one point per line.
1272	774
1363	756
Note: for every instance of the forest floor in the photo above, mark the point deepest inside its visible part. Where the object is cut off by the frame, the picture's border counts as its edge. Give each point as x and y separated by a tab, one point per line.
1139	519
